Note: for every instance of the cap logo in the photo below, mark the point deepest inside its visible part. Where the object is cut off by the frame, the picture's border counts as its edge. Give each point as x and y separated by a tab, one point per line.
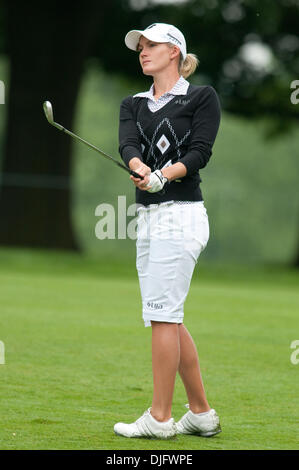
151	26
174	39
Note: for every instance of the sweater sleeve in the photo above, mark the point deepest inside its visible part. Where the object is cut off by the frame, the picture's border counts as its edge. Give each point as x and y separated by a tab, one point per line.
205	125
129	141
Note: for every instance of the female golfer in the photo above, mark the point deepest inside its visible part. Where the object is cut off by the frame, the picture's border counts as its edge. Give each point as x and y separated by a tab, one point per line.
166	135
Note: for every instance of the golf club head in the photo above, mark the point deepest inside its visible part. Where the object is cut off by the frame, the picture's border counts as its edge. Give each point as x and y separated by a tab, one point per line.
48	111
49	115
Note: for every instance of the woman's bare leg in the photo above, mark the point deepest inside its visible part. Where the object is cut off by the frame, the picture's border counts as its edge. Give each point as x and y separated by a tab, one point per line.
165	362
173	350
189	371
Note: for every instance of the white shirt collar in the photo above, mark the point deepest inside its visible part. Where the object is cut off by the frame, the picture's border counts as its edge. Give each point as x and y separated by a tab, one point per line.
180	88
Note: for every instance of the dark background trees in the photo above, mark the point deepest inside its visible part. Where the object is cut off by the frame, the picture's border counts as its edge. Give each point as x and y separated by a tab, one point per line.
248	51
47	47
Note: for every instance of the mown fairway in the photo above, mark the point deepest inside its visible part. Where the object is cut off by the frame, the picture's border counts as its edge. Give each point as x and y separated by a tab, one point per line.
78	358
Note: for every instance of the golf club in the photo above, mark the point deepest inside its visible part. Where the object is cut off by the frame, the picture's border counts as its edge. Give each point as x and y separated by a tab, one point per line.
49	115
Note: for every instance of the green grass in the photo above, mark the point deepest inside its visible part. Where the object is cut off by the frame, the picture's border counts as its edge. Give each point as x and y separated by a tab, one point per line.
78	358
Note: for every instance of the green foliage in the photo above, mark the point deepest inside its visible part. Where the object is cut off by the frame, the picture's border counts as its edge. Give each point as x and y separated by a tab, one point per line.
250	185
217	31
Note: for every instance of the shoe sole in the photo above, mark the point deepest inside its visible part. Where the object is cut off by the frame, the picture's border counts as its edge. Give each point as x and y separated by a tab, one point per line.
146	437
206	434
210	434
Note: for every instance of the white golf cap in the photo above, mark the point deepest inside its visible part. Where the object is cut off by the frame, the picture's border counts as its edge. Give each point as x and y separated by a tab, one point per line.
157	32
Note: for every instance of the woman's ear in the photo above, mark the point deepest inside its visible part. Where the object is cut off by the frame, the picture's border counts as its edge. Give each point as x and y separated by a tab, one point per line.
175	51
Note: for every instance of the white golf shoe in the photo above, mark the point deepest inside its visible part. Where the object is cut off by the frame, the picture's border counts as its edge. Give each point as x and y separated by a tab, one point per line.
147	426
202	424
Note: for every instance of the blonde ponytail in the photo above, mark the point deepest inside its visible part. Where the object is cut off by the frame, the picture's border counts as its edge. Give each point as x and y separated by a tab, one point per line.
188	66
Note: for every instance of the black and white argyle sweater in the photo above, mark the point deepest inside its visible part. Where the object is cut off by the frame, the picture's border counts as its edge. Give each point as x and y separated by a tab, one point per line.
183	130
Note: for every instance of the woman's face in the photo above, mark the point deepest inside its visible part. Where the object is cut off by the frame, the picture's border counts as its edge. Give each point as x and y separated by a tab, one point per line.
154	56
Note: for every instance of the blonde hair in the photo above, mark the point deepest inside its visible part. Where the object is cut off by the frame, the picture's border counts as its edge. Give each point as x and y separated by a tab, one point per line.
188	66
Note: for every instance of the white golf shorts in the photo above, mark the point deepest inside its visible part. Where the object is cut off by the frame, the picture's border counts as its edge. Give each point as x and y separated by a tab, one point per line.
170	238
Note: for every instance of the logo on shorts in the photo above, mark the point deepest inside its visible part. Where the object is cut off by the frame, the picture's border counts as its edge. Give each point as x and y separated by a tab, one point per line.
154	305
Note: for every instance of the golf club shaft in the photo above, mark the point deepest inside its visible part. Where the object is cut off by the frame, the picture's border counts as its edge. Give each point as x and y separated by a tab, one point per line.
66	131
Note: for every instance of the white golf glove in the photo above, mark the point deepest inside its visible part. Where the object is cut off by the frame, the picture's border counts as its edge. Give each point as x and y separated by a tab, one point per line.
157	181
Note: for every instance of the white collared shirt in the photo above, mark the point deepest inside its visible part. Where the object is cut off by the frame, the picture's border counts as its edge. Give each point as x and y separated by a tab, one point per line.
180	88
